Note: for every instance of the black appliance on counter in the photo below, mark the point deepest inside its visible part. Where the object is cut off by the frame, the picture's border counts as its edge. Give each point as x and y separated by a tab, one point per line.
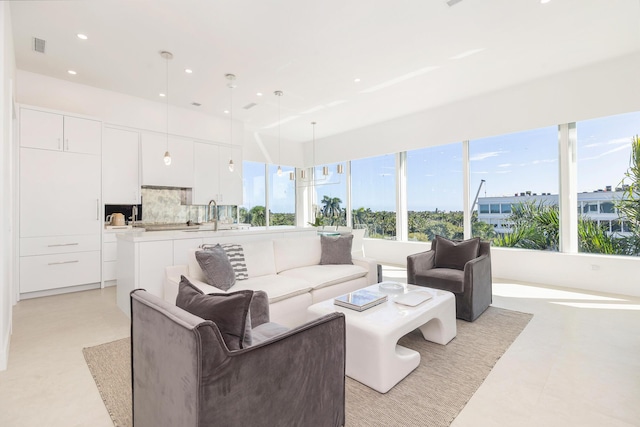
127	210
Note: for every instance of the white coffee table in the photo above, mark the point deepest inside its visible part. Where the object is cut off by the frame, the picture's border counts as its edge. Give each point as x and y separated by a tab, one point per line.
373	356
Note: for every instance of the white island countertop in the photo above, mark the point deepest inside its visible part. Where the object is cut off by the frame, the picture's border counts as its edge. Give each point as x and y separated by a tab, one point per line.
150	236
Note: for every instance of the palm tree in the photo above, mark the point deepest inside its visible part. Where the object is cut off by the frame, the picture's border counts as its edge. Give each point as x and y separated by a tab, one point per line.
257	216
331	208
629	206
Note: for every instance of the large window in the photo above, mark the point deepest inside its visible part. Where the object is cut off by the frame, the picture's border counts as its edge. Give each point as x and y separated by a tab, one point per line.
604	155
373	195
252	210
282	196
515	178
434	192
331	194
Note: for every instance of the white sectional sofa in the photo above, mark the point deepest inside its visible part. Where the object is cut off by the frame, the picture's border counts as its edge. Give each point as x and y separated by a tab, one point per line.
289	271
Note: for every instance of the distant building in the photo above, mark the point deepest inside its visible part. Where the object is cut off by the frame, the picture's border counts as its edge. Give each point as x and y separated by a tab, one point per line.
598	206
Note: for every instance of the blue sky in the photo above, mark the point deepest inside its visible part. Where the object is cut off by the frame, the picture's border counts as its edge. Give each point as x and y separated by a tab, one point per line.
509	164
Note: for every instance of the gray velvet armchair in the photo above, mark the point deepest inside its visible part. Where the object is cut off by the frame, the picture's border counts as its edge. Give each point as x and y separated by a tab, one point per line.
184	375
455	269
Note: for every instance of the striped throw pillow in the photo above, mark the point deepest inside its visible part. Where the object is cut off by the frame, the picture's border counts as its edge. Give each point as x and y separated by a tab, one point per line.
236	257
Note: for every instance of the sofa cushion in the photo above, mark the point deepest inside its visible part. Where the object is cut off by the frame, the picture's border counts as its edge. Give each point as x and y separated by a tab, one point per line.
266	331
336	249
320	276
229	311
452	254
217	268
259	257
277	286
296	252
195	272
447	279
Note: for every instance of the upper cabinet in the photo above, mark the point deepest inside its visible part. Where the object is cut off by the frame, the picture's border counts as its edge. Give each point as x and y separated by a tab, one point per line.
59	132
212	178
155	172
121	167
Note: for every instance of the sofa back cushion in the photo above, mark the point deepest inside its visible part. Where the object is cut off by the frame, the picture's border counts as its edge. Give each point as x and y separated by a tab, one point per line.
296	252
195	272
259	258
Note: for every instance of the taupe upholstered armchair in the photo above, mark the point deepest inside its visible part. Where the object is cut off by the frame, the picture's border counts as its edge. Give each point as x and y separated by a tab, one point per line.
461	267
184	375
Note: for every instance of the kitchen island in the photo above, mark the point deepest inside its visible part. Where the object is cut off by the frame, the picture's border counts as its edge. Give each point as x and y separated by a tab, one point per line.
144	255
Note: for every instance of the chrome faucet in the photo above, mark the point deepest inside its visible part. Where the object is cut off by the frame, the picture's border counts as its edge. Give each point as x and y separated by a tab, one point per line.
215	220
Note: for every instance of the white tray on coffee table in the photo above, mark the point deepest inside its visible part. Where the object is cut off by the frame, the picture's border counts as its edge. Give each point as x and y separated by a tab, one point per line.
373	356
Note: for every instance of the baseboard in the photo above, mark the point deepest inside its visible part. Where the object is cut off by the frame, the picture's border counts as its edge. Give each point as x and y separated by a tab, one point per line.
4	352
59	291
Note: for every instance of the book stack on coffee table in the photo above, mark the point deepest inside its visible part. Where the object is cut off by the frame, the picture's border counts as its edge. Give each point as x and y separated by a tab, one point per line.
360	300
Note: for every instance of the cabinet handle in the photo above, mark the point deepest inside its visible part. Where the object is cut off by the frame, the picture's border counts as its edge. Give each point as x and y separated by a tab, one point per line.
97	209
63	244
59	147
66	141
64	262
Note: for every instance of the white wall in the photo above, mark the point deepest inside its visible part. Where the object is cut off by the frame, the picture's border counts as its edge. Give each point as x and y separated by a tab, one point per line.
598	90
124	110
7	72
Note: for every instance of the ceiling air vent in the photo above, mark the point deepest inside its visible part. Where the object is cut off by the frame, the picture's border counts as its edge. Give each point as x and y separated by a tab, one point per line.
196	104
39	45
250	106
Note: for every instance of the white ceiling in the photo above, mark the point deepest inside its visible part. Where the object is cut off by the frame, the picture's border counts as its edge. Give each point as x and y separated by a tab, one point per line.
401	50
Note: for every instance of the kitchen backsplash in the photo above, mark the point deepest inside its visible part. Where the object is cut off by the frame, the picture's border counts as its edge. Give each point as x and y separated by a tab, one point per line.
163	205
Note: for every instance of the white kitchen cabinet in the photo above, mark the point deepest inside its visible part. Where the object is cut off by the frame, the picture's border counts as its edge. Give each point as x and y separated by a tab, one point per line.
120	167
154	171
110	254
212	178
60	206
59	193
44	272
52	131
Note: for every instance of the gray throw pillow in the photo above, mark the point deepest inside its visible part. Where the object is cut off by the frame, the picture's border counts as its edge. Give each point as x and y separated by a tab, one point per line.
455	254
236	258
216	267
336	249
230	312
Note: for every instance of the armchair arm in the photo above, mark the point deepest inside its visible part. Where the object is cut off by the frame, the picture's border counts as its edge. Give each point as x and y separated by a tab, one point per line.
478	289
419	262
259	308
301	372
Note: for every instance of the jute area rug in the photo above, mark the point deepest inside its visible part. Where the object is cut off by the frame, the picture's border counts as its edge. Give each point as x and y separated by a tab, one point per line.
431	396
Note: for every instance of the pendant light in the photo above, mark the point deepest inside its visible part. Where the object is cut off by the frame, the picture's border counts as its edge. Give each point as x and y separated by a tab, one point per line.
231	85
167	56
278	93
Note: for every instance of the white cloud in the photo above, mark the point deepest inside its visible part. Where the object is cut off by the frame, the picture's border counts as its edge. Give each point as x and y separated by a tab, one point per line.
486	155
504	165
613	150
615	141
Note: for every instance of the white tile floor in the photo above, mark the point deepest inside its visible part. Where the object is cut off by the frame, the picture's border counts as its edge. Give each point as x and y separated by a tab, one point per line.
576	363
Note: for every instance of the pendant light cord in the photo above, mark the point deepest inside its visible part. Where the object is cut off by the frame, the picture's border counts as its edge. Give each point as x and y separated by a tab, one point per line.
167	97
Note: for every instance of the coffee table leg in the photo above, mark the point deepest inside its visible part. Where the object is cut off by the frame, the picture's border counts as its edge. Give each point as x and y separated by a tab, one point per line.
378	362
442	327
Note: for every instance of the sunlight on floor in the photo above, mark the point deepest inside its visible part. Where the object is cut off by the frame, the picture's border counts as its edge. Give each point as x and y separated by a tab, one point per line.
622	306
524	291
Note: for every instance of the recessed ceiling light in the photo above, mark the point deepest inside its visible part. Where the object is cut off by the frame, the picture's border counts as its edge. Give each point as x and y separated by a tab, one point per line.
544	1
259	94
188	70
73	73
82	36
356	80
226	111
162	95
